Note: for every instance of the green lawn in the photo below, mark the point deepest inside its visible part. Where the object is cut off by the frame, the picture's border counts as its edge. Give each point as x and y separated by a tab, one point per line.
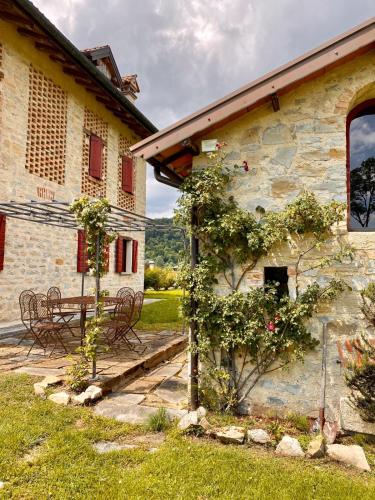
67	467
161	315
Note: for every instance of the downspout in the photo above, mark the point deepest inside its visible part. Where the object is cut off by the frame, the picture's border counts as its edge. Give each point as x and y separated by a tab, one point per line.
323	375
173	180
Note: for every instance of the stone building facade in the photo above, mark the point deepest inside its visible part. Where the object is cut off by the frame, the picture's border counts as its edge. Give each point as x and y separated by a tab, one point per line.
47	119
292	130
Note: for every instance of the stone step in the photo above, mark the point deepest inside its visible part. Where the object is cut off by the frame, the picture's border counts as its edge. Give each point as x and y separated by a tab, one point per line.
141	367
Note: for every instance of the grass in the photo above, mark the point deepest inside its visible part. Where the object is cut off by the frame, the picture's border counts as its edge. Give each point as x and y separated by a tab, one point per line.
159	422
65	466
161	315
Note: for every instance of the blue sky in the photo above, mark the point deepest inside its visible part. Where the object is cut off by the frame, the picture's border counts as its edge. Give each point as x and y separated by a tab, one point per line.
187	53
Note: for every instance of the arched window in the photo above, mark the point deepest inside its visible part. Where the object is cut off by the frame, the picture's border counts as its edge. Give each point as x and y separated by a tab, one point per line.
361	167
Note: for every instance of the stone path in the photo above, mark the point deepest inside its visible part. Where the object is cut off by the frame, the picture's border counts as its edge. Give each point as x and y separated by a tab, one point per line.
163	387
114	367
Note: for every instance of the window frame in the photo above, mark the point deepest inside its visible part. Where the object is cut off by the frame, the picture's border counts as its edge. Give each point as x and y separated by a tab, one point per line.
356	112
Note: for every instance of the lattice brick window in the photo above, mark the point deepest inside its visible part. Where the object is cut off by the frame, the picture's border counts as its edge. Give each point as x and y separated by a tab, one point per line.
125	200
94	124
46	128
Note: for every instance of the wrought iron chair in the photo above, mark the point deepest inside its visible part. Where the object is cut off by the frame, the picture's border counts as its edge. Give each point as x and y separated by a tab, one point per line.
54	293
27	317
43	325
118	326
125	290
137	311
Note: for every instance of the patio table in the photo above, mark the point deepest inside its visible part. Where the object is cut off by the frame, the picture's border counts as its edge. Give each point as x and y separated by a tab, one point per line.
86	302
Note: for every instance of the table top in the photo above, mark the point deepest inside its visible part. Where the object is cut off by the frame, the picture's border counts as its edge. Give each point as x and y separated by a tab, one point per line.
84	300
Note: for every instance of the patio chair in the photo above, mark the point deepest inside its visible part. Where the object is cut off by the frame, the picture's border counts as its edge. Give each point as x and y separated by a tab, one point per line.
54	293
43	325
137	311
125	290
27	316
117	327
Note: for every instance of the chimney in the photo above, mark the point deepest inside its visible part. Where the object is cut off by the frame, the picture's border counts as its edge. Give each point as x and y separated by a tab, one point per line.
130	87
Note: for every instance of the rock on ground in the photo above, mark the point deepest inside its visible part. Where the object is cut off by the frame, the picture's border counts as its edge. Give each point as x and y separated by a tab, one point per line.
231	435
289	447
351	420
350	455
39	389
316	448
108	446
94	392
50	381
81	399
201	412
258	436
189	421
61	398
330	431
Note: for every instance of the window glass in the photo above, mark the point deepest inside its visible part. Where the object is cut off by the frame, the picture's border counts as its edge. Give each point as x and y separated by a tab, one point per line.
362	171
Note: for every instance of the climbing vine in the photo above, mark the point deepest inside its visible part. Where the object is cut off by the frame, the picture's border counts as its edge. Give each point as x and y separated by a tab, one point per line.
243	335
92	216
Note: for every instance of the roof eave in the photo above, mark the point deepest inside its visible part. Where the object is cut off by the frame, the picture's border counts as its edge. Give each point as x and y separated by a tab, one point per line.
82	61
247	97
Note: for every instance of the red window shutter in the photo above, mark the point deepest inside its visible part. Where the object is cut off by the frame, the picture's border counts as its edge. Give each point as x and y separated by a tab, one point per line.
135	257
2	240
127	174
119	255
82	265
96	155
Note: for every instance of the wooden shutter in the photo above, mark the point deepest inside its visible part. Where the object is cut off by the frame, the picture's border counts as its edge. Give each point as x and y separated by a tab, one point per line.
127	174
96	155
119	255
135	257
82	265
2	240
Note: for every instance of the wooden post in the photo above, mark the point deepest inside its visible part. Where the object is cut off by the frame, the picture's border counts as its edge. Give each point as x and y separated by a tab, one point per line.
193	356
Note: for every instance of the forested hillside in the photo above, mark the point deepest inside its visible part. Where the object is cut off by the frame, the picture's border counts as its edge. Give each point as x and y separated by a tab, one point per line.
164	247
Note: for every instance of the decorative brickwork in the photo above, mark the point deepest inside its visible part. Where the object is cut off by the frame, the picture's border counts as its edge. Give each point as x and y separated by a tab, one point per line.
93	124
46	131
125	200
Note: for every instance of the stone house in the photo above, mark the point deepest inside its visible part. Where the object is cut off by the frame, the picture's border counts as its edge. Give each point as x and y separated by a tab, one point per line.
307	125
67	121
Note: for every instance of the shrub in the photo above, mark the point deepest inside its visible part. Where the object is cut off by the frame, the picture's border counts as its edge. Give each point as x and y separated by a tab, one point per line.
160	277
300	422
77	375
158	422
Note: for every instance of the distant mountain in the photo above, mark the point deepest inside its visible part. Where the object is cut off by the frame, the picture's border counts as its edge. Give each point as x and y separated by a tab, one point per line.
165	247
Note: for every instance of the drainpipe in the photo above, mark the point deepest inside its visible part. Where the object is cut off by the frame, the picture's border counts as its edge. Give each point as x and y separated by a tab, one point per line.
193	355
323	375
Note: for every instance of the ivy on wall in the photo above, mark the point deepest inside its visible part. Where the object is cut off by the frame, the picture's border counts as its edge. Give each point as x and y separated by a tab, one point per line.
244	335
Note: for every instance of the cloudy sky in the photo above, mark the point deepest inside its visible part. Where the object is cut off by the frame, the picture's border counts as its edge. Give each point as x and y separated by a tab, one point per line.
187	53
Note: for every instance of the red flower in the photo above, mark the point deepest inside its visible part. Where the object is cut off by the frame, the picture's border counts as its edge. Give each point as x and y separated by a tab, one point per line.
219	145
245	166
271	327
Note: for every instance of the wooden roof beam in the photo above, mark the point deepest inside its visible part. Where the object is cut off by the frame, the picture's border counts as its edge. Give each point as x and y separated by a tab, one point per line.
275	102
32	34
15	18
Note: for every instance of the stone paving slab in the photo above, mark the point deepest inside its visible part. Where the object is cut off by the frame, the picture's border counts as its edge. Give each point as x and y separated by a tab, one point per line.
172	390
168	370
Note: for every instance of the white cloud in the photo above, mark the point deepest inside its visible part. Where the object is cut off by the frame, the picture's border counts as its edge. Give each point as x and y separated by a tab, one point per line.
188	53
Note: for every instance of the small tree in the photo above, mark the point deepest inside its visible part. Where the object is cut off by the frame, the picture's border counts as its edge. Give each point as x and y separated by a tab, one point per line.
92	216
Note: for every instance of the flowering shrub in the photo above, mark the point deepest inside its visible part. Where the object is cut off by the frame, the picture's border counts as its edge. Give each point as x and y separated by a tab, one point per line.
255	330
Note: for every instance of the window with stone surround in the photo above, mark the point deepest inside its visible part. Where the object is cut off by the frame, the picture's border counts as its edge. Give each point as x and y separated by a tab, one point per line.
361	167
46	128
278	277
126	179
95	136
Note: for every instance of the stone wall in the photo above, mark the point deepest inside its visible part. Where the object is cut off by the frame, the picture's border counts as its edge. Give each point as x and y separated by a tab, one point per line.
38	256
303	146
